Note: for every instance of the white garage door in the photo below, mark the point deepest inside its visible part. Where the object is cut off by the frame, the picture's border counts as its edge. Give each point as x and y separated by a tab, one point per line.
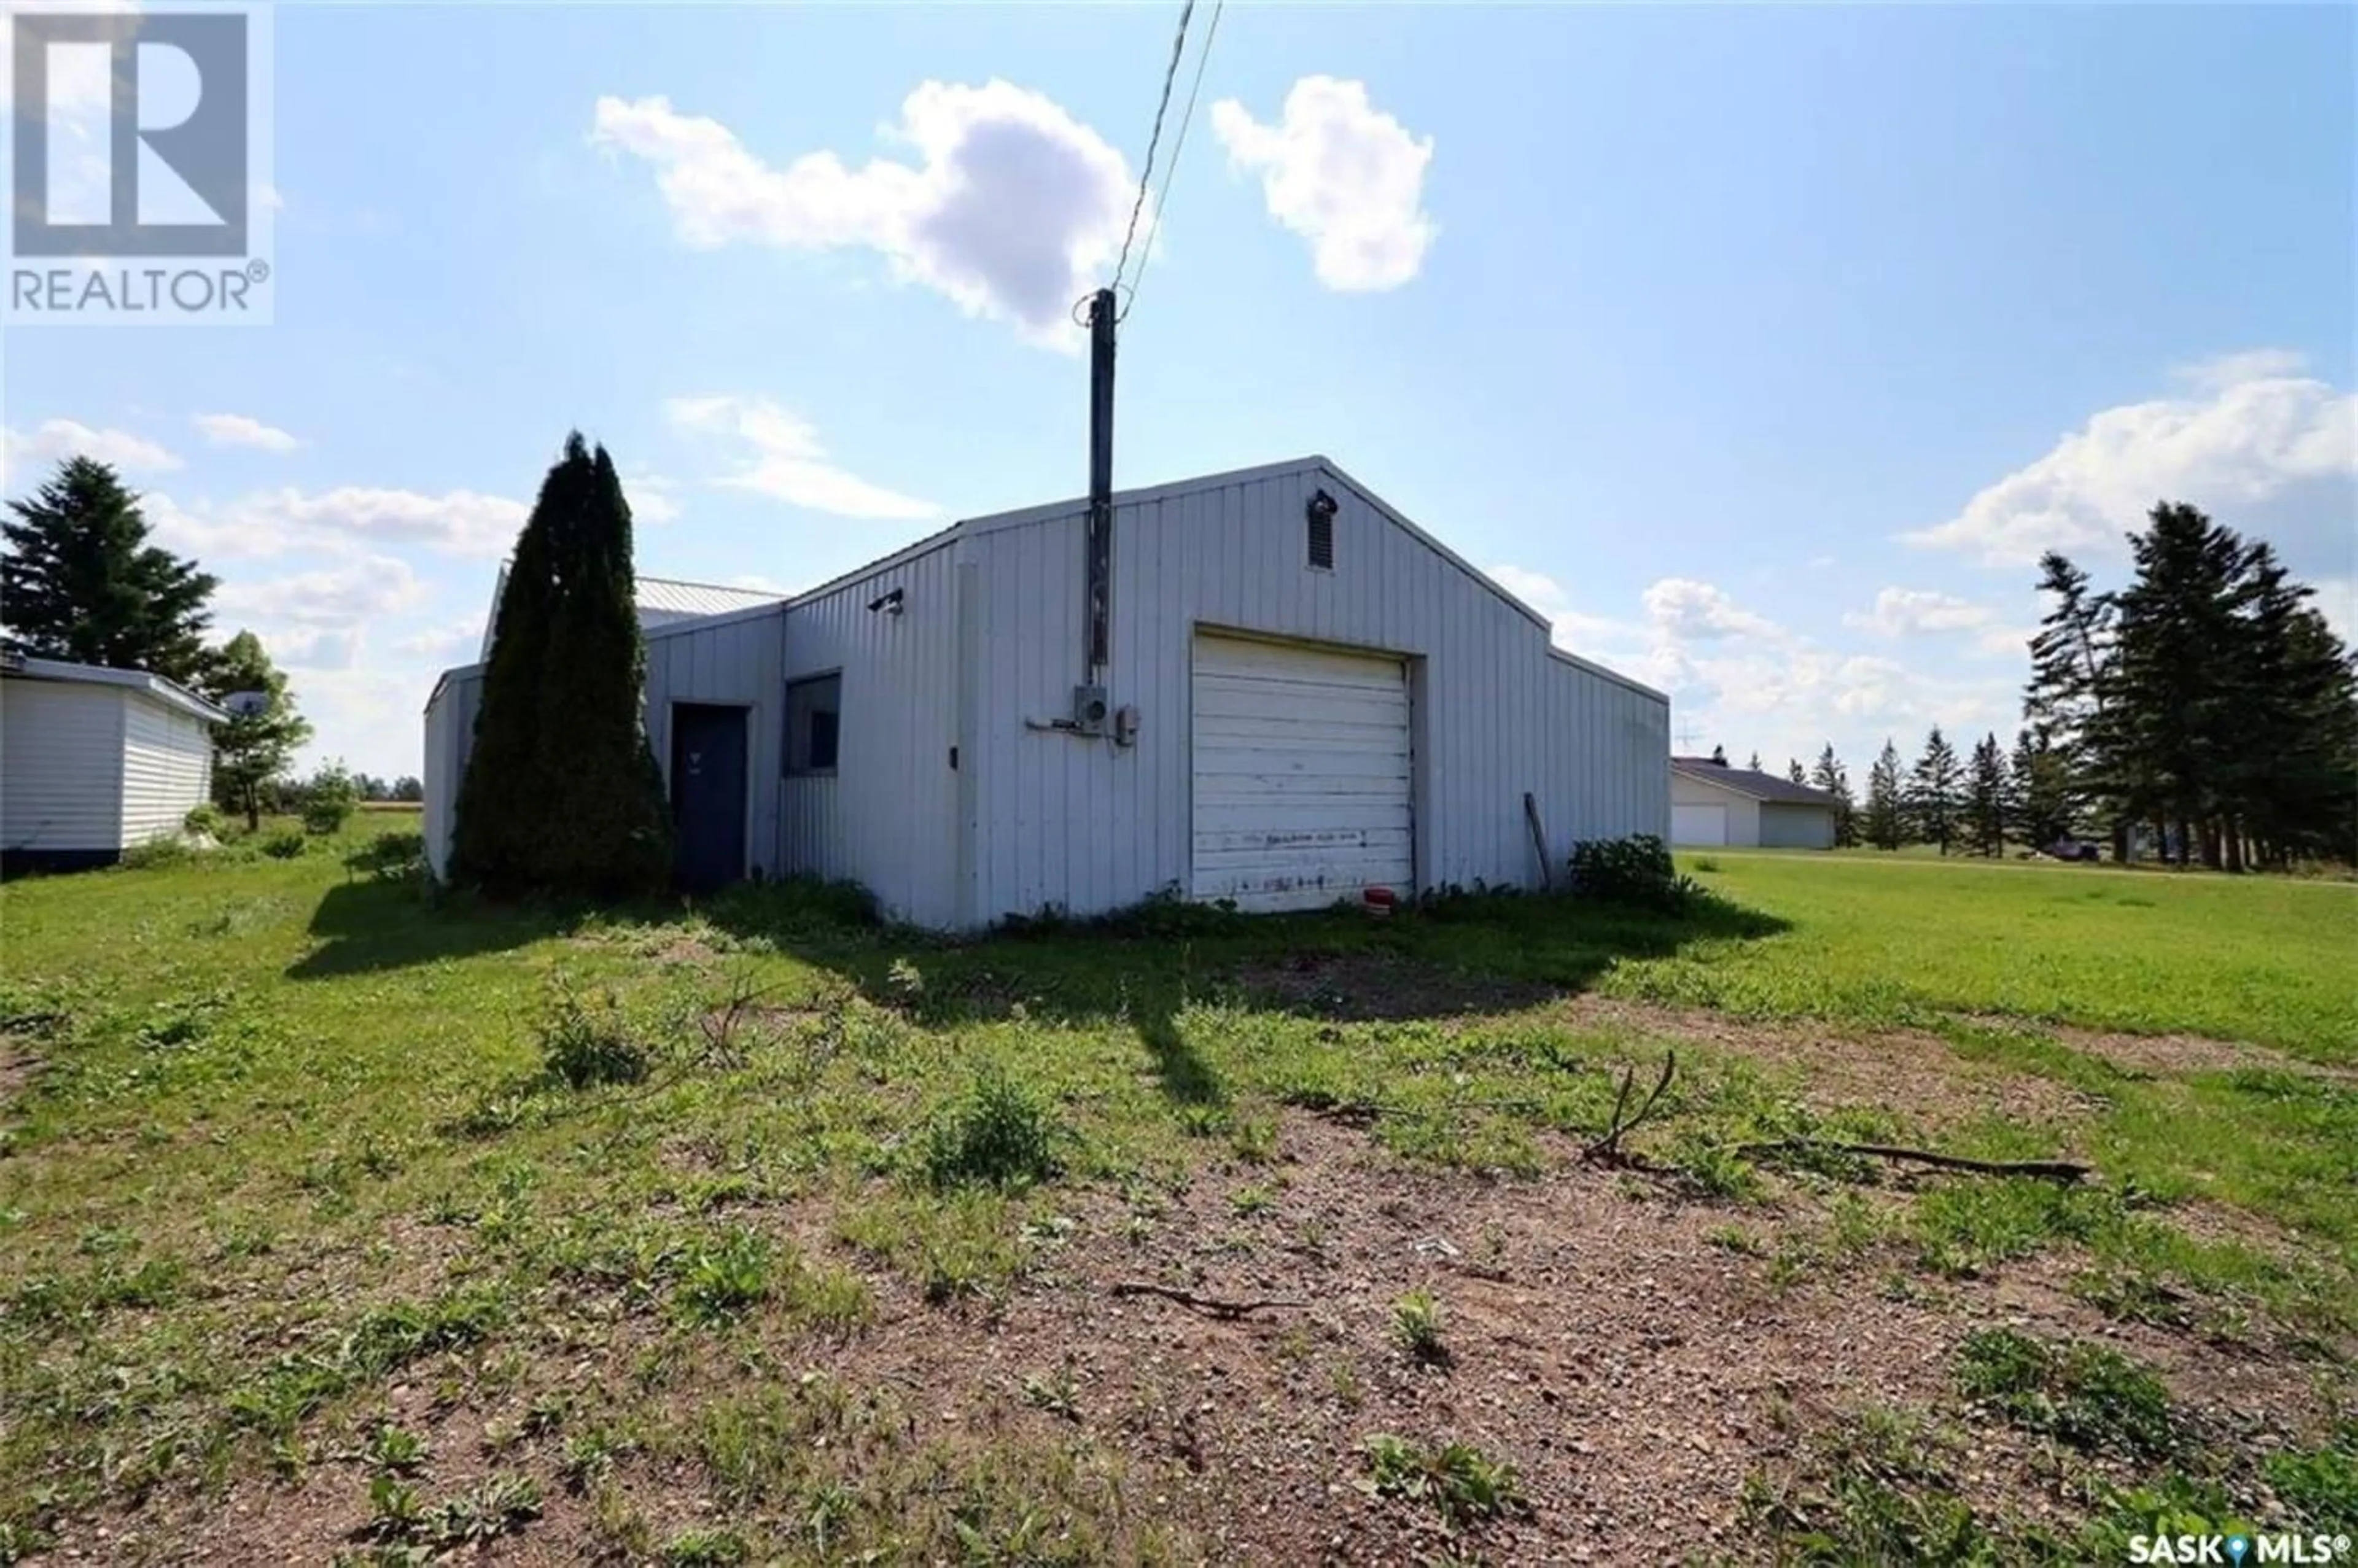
1300	775
1698	824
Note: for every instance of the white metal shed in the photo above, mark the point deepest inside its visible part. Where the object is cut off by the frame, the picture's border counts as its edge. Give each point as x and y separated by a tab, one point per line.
95	760
1305	696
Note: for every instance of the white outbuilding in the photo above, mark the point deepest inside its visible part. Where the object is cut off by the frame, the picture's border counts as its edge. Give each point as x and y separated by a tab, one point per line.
96	761
1713	804
1276	690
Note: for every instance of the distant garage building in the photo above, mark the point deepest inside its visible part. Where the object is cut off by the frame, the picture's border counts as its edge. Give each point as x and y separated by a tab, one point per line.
95	760
1713	804
1276	692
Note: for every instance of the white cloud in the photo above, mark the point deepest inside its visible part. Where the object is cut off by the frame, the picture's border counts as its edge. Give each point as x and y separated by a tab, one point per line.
786	461
1011	207
241	430
338	596
1686	610
54	440
1343	175
2263	448
343	521
1573	631
1916	612
651	499
465	633
1740	679
312	647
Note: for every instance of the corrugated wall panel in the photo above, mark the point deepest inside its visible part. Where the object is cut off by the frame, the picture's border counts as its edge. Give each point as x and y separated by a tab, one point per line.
1088	826
60	765
887	817
167	768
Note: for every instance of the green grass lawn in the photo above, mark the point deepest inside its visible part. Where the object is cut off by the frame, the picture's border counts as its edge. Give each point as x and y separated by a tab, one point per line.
295	1155
1872	940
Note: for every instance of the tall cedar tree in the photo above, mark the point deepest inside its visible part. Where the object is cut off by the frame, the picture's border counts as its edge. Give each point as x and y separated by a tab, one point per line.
1932	791
562	792
1831	776
1754	764
1984	804
81	582
1795	772
251	751
1887	817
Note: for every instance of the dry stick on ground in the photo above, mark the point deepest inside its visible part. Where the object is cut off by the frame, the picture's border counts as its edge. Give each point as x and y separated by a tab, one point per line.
1608	1148
2051	1170
1211	1304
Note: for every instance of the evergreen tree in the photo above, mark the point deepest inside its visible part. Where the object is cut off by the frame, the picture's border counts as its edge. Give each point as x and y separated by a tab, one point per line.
81	582
2289	774
1755	763
2064	701
1795	772
562	792
1887	822
1932	791
1985	798
2171	721
251	751
2040	791
1831	776
1719	755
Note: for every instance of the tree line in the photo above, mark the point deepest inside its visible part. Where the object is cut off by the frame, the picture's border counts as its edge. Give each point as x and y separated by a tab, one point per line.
2205	708
83	582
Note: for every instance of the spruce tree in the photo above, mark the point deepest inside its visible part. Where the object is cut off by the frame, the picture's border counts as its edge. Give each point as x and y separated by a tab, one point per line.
1831	776
2172	717
1986	797
1932	790
81	582
2070	661
252	750
1754	765
1887	823
1795	772
2040	791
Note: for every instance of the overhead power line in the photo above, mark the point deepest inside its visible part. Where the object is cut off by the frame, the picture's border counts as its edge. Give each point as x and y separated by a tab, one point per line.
1154	140
1178	147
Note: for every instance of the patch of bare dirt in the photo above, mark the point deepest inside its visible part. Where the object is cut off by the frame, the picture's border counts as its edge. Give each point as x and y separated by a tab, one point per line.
18	1069
1906	1070
2171	1055
1362	987
1600	1338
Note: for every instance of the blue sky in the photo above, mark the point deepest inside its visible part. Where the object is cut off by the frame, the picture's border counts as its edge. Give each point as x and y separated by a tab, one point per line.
1762	348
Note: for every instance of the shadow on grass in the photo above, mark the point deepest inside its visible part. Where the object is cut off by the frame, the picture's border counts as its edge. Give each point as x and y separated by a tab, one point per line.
1471	955
369	924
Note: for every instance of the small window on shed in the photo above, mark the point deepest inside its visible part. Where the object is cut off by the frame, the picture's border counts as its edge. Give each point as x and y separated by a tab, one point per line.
1320	513
814	721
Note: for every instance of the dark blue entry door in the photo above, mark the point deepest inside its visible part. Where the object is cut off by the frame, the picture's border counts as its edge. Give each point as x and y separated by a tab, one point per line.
708	794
